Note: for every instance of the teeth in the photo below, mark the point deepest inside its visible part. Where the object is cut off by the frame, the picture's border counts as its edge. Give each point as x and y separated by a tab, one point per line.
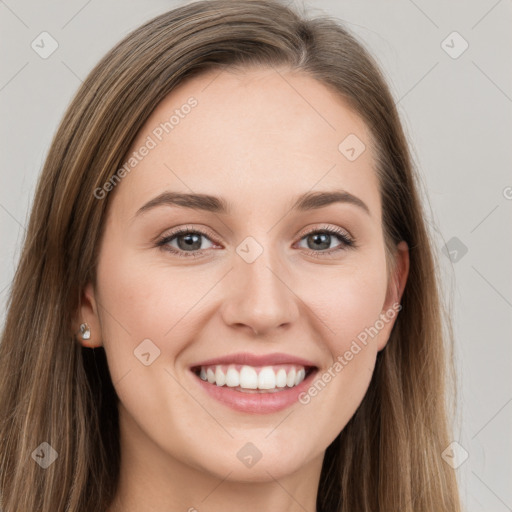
290	380
232	378
220	378
267	378
248	377
300	376
281	378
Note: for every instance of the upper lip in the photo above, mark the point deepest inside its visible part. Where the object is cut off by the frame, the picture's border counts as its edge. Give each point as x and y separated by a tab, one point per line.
245	358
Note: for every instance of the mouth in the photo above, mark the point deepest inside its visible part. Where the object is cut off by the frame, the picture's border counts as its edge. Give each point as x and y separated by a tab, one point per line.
255	383
254	379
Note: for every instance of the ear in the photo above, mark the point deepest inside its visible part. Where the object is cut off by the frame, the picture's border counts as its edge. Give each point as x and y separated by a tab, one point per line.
394	293
88	313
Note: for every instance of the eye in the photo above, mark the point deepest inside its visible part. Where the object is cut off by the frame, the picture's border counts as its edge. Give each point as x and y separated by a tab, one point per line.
188	241
322	238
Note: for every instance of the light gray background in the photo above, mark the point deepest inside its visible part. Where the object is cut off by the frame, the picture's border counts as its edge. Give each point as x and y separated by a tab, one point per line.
457	115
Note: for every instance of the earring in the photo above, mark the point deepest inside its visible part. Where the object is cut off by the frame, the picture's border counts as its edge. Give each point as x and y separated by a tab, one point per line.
85	331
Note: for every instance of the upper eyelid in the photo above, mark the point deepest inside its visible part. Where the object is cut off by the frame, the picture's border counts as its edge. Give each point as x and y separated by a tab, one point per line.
325	227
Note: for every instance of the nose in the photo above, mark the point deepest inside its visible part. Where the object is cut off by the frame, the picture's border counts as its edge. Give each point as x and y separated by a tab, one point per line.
258	297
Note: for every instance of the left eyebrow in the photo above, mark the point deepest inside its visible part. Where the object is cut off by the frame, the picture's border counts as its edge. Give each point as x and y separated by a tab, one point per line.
315	200
305	202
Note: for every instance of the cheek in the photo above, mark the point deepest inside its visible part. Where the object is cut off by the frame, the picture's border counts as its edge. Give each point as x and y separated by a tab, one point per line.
144	291
358	305
347	300
141	300
349	308
146	297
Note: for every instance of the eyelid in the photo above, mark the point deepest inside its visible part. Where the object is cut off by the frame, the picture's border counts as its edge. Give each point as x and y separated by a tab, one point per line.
183	229
324	227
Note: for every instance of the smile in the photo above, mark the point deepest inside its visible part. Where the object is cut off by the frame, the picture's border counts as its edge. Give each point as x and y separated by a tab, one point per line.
254	379
254	383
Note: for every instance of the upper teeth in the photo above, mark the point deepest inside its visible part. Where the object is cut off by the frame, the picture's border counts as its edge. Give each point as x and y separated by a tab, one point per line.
250	377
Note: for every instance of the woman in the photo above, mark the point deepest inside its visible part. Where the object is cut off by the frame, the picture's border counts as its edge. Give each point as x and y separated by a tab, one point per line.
265	371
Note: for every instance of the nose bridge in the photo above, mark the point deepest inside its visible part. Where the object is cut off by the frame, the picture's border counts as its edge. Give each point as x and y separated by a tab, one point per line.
259	296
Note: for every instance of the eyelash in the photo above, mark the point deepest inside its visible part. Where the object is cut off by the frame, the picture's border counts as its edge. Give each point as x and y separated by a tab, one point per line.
347	241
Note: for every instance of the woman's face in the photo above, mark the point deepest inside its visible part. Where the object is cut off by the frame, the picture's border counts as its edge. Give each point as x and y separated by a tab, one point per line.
259	284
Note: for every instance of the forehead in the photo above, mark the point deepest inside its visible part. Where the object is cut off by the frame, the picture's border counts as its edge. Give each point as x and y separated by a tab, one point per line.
257	136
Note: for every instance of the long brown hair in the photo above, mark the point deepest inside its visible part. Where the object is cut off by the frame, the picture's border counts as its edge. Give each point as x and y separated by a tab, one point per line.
388	457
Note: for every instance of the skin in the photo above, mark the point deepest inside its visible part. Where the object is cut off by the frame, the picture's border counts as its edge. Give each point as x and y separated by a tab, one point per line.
258	138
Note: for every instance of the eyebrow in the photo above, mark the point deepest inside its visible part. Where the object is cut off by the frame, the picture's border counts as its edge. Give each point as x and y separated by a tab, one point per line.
306	202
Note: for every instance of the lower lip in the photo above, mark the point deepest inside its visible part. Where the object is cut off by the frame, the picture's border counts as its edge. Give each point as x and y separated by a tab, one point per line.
256	403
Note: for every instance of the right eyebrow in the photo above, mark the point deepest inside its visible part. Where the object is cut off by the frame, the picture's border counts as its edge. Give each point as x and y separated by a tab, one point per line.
194	201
